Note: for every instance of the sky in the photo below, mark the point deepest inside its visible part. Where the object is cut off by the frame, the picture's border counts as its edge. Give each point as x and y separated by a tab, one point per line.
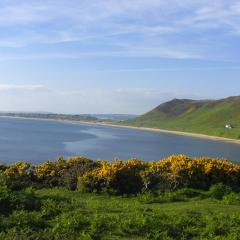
116	56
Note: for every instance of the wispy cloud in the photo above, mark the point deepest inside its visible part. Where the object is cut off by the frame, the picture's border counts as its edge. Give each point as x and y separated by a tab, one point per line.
223	15
166	29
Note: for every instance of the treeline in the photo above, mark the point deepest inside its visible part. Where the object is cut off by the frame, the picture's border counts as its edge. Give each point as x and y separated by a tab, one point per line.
123	177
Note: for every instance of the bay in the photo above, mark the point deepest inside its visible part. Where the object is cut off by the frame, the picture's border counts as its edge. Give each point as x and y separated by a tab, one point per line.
39	140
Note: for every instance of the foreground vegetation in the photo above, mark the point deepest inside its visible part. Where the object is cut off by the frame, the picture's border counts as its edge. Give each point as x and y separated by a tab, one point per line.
175	198
62	214
204	116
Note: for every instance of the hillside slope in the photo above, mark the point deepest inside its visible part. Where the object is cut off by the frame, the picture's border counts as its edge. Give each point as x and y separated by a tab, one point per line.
198	116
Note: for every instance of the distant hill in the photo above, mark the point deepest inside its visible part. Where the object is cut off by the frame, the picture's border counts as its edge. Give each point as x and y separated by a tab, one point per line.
198	116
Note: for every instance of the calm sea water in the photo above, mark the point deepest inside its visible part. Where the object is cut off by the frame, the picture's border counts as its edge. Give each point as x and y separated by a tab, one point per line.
37	140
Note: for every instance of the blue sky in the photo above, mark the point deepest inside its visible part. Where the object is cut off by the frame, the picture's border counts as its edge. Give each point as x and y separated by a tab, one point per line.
116	56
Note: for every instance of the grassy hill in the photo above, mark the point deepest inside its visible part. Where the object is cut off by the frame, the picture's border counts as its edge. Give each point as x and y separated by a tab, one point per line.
198	116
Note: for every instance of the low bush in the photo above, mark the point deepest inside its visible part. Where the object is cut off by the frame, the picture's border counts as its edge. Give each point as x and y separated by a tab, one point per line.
179	195
231	199
122	177
70	223
25	220
17	176
218	191
62	172
11	200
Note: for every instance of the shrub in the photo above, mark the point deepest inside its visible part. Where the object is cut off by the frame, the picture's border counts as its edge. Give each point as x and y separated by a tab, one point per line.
102	226
159	181
50	208
12	200
169	174
127	179
221	226
25	220
180	171
76	167
218	191
8	200
48	174
70	224
232	199
3	168
184	194
17	176
123	177
62	172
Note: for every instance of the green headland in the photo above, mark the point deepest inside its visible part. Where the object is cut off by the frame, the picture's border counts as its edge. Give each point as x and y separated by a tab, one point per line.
211	117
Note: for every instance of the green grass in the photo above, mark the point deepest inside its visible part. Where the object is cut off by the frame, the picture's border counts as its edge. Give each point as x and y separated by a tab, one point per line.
63	214
205	117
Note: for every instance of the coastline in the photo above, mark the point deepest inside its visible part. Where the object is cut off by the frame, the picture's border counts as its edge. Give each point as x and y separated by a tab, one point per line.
187	134
157	130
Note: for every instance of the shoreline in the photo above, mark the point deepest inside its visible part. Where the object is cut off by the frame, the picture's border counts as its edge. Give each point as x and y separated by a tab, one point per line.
187	134
157	130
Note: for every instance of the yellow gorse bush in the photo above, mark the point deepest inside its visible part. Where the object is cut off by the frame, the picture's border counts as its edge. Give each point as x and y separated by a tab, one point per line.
177	170
58	167
114	175
16	175
129	176
61	171
180	164
108	169
17	169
